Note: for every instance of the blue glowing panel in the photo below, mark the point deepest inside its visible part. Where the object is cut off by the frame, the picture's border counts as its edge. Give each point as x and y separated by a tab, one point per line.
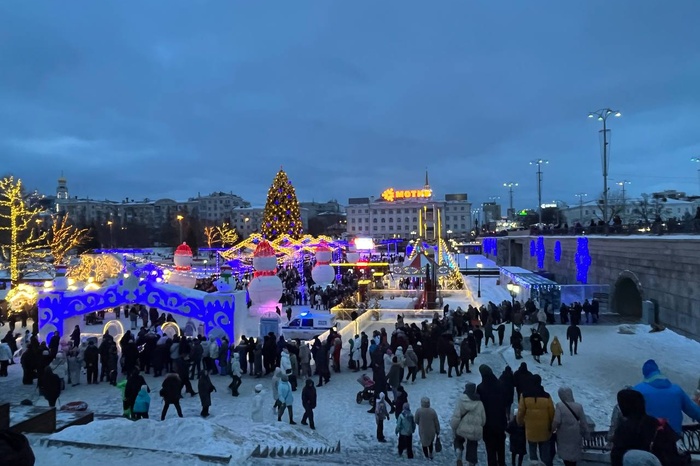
557	251
540	251
533	248
583	260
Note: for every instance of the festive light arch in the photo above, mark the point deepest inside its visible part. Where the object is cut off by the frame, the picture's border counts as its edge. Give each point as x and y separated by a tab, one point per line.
216	310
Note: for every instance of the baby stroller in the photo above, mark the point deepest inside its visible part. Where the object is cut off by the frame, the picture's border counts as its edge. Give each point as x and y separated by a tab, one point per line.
367	392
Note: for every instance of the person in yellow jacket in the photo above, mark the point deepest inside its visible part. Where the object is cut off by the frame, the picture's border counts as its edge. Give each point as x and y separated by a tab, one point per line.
555	349
536	413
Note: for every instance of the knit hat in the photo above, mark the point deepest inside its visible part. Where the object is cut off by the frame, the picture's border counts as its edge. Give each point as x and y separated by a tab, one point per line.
284	378
470	391
258	388
650	369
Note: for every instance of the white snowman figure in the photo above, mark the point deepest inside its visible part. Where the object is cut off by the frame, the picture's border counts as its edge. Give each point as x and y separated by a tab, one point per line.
182	275
265	289
323	273
226	282
60	282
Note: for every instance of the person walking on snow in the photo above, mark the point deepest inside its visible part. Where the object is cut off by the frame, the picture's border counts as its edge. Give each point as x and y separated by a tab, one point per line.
285	399
142	404
205	387
235	374
380	415
571	427
467	423
573	334
308	400
256	413
556	350
171	393
428	426
405	427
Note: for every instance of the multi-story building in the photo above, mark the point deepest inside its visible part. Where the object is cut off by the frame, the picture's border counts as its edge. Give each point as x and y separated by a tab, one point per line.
409	213
631	210
492	213
218	207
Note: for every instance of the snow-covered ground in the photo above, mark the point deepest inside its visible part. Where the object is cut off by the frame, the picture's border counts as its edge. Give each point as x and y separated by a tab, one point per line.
606	362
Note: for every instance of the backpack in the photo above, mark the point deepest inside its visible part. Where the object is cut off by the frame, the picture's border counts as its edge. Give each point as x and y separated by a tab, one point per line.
664	446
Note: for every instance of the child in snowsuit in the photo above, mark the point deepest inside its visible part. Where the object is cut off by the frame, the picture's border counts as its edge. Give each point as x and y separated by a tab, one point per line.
517	441
142	404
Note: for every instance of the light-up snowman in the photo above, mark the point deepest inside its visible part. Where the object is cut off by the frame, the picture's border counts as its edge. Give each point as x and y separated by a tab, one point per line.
265	289
323	272
225	283
182	275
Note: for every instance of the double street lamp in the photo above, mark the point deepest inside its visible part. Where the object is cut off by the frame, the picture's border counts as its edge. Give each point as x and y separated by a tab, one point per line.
603	115
510	185
697	160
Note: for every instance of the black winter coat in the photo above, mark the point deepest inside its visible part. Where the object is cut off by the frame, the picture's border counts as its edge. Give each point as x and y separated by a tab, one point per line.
171	389
133	385
91	356
205	387
308	395
492	397
507	385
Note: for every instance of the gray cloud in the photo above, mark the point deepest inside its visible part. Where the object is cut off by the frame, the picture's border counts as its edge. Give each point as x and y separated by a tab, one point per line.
169	99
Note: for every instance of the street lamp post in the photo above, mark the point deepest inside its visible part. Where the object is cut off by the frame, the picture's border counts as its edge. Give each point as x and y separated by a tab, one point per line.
510	185
580	206
539	163
111	233
179	219
623	185
513	290
697	160
478	274
603	115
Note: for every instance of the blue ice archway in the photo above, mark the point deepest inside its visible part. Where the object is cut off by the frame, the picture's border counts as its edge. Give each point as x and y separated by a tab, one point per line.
216	310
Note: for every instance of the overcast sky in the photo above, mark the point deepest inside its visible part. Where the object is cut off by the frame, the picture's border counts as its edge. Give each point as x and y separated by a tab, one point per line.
170	98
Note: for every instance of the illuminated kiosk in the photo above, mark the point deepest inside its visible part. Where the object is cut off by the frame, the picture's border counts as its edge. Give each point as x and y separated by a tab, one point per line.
215	310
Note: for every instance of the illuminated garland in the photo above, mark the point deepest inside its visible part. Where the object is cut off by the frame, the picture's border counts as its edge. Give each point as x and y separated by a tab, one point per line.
533	248
583	260
98	267
557	251
281	215
491	246
540	251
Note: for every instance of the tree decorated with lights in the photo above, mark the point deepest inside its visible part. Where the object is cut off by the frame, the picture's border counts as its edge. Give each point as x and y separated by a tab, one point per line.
24	246
282	215
64	237
227	235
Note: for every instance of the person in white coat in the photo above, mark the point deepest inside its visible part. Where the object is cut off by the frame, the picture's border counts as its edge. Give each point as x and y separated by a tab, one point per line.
235	374
5	358
276	377
257	408
75	362
356	352
467	423
401	358
59	366
388	356
285	362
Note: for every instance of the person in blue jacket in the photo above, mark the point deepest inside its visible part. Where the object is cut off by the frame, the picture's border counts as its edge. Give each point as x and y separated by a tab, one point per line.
142	404
665	400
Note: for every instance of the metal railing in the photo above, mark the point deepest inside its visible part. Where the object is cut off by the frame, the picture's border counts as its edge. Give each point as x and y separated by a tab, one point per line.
690	440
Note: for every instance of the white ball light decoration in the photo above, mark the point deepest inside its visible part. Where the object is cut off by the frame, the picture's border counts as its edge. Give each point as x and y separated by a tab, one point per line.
323	273
265	289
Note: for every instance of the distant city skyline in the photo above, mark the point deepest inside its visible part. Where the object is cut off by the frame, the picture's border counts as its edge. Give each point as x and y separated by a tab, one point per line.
131	100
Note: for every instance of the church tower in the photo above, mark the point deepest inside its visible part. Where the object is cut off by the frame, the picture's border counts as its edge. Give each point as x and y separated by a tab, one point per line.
62	188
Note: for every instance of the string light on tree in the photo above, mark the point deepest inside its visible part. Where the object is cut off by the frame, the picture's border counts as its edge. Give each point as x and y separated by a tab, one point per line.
26	249
64	237
281	215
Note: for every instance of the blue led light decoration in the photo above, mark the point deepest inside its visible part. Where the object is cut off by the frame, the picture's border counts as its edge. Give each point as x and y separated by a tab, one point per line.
583	260
540	252
533	248
150	272
491	246
215	310
557	251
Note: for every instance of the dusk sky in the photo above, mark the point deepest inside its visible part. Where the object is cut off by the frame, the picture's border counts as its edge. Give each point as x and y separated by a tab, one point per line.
170	98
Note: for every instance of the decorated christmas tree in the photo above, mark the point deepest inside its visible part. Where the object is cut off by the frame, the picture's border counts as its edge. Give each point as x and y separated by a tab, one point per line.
281	214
